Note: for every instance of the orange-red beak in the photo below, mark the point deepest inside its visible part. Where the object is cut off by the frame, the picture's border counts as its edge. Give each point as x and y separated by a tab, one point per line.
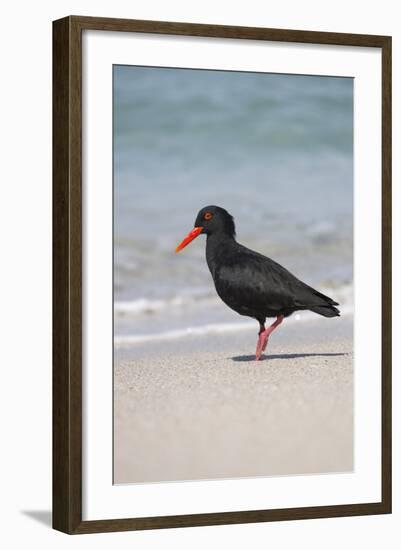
190	237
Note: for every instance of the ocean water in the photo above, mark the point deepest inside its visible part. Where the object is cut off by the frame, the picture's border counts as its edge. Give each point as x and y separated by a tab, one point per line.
275	150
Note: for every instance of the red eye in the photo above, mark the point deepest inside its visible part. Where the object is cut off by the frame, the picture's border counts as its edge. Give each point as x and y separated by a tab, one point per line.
208	216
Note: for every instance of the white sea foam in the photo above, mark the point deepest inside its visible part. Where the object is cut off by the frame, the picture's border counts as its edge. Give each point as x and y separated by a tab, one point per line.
149	306
145	305
213	328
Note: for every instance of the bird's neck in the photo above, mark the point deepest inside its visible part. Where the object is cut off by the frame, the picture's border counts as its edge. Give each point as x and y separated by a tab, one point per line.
217	245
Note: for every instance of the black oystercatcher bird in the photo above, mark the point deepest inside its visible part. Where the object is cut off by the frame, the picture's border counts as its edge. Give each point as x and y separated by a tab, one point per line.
248	282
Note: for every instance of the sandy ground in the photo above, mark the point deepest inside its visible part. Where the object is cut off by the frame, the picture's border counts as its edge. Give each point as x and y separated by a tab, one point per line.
204	409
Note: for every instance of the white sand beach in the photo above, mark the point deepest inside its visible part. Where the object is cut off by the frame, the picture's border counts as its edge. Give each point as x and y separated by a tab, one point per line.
202	408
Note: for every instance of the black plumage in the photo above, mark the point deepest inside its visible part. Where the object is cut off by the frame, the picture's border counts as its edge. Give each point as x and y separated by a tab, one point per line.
248	282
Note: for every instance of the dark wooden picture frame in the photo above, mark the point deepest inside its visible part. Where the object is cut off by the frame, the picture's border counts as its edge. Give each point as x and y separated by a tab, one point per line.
67	274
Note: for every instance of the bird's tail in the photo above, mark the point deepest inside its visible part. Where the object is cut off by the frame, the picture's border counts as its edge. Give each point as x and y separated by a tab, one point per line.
326	311
324	305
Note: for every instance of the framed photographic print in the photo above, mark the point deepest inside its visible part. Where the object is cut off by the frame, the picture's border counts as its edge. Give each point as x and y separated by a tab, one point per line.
222	274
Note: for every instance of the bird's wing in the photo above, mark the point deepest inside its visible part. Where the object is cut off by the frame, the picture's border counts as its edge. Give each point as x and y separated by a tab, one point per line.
259	282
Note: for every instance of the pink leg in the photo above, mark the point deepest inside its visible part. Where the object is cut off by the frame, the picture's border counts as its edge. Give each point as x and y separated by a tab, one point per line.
260	343
264	336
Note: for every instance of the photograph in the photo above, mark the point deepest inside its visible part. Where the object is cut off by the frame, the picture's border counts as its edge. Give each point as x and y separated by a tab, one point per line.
233	201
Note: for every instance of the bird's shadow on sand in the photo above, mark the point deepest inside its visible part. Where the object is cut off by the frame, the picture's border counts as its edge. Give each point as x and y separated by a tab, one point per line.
251	358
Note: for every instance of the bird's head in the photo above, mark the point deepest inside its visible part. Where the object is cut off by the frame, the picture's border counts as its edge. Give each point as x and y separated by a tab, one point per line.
210	220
